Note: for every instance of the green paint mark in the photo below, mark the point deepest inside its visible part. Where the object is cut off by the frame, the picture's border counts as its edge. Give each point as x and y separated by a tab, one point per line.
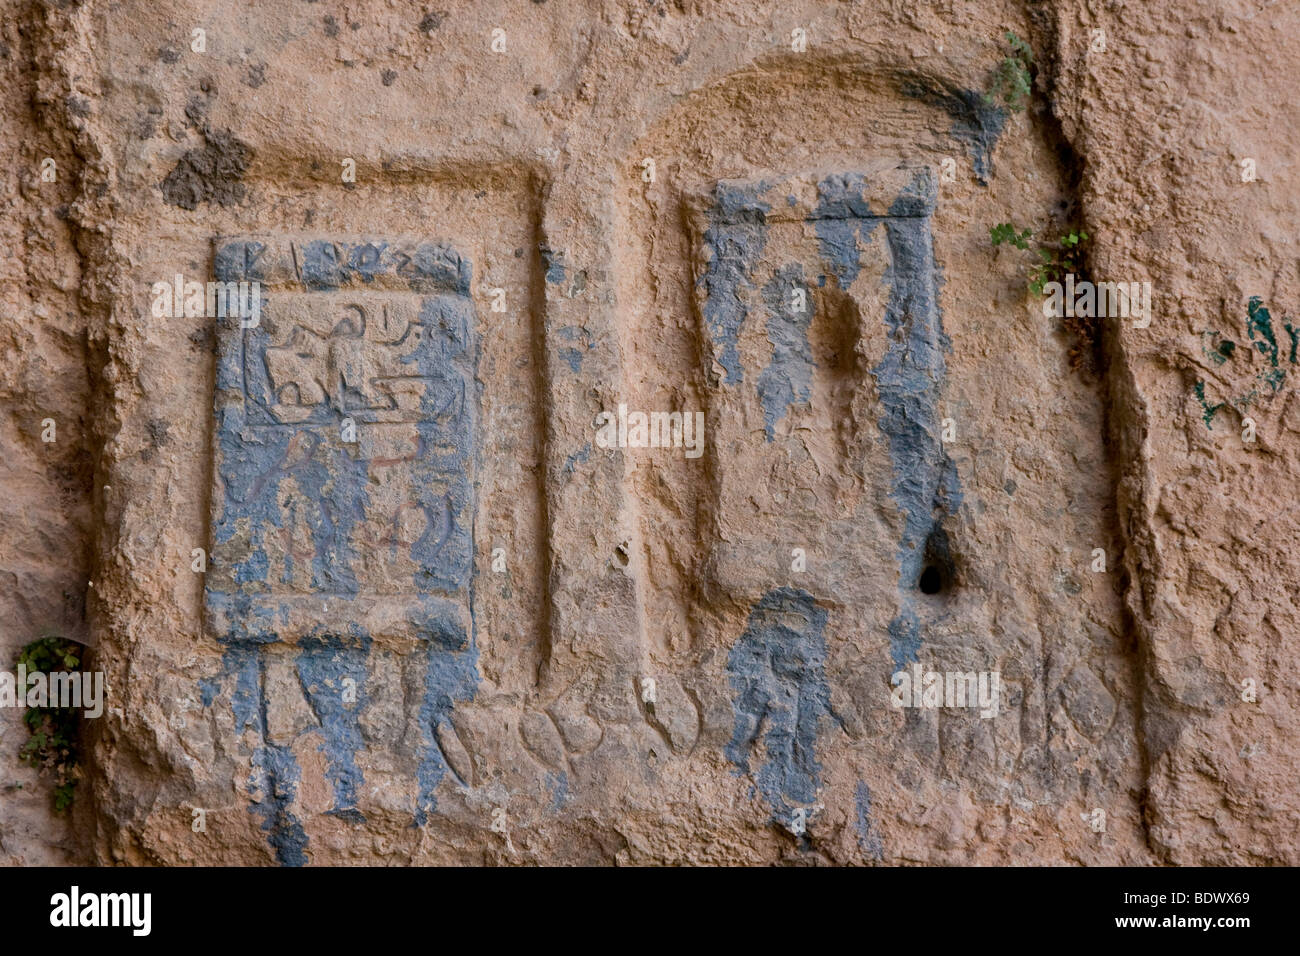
1260	321
1259	326
1208	410
1215	347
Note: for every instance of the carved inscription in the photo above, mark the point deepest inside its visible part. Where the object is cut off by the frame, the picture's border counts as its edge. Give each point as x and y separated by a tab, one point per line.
345	435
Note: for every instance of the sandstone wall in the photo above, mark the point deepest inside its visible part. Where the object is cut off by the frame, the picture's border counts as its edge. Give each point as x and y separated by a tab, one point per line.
466	631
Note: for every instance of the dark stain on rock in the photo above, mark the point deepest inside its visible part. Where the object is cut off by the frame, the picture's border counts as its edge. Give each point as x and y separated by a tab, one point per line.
212	174
196	112
431	20
204	338
975	122
146	126
157	429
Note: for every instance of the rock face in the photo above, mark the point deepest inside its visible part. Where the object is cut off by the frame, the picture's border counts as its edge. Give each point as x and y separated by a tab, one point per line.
605	433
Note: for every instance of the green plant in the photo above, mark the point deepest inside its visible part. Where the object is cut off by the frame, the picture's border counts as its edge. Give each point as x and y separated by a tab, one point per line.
1006	232
1054	260
1013	81
52	731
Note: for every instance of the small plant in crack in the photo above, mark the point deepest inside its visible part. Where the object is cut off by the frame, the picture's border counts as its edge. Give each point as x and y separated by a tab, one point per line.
1052	260
51	744
1014	81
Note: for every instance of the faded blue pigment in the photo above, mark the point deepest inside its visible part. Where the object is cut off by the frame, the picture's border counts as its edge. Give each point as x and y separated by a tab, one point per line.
788	378
777	665
736	234
778	680
254	461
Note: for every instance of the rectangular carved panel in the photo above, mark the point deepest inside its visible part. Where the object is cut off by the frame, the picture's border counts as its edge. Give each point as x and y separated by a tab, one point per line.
817	294
344	440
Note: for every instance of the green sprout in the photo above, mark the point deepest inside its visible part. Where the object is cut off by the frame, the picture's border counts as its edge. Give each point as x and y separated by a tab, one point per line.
52	731
1013	81
1053	260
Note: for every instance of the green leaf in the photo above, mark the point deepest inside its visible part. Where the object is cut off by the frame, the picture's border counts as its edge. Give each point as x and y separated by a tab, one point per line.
63	796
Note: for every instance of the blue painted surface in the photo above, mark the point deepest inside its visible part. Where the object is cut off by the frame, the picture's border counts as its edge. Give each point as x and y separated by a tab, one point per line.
843	223
553	263
778	680
208	690
909	380
324	662
275	778
868	838
557	784
787	380
281	475
273	771
577	458
909	377
450	675
736	234
573	357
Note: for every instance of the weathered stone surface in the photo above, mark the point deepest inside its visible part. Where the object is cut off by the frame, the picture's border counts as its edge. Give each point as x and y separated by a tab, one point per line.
442	619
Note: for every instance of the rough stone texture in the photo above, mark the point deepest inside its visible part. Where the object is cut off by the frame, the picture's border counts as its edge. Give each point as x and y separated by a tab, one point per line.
476	635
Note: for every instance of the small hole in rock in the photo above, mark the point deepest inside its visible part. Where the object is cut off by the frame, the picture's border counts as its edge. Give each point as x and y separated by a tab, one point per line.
931	580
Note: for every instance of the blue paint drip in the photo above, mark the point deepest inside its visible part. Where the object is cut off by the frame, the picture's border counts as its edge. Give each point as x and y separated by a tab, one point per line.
573	357
904	635
736	234
246	702
273	772
451	675
577	458
908	381
254	463
777	675
788	378
557	784
843	223
324	661
868	838
275	775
